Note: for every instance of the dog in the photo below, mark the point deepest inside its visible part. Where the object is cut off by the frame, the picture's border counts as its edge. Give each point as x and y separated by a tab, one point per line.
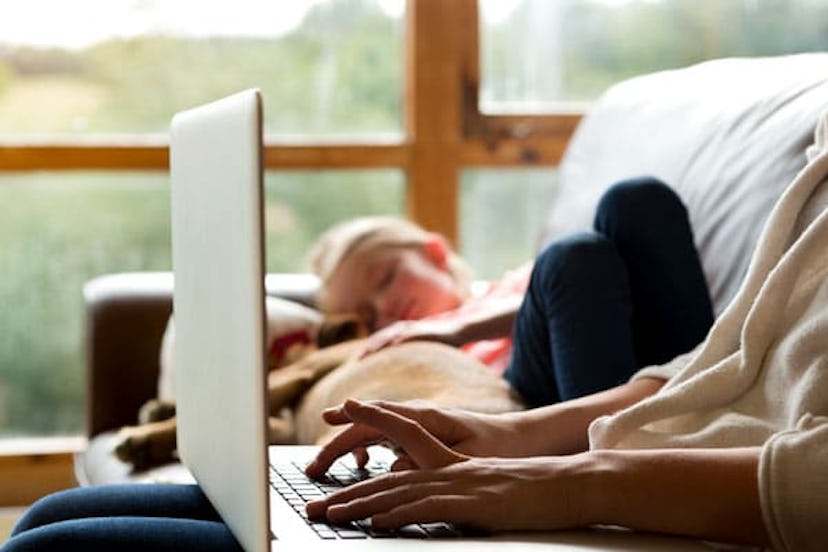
326	376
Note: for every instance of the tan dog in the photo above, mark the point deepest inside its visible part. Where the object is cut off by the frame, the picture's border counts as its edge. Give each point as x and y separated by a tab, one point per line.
299	392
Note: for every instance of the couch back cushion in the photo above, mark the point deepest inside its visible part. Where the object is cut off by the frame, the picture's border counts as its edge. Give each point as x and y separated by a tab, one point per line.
728	135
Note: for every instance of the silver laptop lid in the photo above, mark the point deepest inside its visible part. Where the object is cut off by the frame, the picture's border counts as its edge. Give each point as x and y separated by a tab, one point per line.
218	303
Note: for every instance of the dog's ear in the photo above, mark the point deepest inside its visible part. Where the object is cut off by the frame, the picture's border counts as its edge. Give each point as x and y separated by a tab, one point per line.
338	328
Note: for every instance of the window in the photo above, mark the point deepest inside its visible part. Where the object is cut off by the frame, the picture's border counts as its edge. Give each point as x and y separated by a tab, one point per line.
67	228
501	214
327	70
536	54
324	68
542	59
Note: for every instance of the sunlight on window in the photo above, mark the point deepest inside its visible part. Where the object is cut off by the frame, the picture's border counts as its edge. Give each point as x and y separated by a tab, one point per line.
101	66
490	196
536	54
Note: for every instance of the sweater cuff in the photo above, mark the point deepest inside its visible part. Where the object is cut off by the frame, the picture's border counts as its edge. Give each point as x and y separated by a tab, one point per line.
793	486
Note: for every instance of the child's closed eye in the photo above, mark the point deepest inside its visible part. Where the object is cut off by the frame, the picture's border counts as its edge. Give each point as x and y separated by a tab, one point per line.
386	276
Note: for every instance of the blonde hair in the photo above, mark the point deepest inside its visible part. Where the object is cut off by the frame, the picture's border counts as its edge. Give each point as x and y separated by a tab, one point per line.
367	233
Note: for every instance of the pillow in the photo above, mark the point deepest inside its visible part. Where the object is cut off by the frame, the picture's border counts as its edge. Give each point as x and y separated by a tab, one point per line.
289	325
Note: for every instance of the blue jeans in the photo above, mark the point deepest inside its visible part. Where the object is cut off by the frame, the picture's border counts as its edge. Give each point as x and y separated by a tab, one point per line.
601	305
123	518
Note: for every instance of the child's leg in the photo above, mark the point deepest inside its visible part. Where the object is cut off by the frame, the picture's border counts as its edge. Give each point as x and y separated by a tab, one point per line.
123	517
649	226
600	306
572	335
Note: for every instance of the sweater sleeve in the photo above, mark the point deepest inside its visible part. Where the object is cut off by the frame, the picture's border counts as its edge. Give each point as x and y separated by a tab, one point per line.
793	486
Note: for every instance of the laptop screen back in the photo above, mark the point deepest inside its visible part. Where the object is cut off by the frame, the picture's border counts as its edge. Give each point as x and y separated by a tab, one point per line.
218	305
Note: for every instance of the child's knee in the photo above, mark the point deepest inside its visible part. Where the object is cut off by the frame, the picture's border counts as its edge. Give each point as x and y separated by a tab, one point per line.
637	201
574	260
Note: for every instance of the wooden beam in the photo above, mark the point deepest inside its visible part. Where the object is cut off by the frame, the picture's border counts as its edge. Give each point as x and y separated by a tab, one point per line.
478	152
24	479
433	112
59	157
503	140
515	139
556	127
32	468
340	156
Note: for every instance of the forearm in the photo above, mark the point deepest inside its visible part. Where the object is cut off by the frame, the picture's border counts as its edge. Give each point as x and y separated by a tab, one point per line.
495	321
562	428
708	493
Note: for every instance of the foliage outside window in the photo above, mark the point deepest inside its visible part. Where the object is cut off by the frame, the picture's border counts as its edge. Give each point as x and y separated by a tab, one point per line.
324	68
537	54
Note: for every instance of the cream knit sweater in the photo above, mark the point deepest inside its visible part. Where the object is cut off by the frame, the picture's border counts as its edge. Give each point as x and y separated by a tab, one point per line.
761	376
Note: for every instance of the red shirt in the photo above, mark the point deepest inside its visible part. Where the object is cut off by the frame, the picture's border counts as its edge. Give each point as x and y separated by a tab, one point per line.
493	352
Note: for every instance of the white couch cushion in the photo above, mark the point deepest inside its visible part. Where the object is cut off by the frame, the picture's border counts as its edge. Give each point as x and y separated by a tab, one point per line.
728	135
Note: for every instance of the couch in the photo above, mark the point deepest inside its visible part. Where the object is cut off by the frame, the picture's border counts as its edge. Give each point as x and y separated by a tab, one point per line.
728	135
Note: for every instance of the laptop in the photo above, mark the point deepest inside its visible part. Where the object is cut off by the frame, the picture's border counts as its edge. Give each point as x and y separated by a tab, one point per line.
218	261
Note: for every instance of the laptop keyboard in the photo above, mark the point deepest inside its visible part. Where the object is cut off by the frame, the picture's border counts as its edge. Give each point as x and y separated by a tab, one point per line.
289	480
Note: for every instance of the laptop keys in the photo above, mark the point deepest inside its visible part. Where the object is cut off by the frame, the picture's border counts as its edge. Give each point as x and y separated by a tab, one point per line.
290	481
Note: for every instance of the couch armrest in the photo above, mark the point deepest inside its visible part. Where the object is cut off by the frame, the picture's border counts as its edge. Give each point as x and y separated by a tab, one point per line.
126	315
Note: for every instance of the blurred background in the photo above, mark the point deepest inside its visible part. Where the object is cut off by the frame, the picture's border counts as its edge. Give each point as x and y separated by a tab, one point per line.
114	71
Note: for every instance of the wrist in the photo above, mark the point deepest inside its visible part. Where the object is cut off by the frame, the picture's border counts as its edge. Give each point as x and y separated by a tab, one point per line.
701	493
600	472
581	483
552	430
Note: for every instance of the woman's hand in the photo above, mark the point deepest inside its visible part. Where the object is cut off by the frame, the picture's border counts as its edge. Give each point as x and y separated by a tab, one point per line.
488	493
463	432
442	331
559	429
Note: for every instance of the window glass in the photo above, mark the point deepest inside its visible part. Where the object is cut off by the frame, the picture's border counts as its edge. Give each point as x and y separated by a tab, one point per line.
537	52
59	230
502	212
325	67
303	204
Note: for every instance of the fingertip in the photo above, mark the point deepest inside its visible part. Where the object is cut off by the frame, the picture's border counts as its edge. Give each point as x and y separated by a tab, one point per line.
334	513
312	470
402	464
336	415
362	458
316	510
331	413
352	404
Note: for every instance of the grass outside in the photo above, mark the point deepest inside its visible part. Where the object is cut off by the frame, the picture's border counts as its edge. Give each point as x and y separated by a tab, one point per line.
29	105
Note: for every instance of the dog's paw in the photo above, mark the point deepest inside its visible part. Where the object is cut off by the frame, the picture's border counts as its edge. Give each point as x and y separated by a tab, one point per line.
132	446
148	445
156	410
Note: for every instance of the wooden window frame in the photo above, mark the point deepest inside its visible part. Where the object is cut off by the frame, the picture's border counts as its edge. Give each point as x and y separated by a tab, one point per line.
445	132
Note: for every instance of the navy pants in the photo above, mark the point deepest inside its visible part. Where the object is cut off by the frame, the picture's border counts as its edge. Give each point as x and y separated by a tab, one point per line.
124	518
601	305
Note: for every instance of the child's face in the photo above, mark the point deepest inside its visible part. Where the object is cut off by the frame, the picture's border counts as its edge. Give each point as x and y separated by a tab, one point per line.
387	284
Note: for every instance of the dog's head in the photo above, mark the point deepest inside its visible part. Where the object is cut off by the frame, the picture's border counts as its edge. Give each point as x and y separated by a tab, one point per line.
336	328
